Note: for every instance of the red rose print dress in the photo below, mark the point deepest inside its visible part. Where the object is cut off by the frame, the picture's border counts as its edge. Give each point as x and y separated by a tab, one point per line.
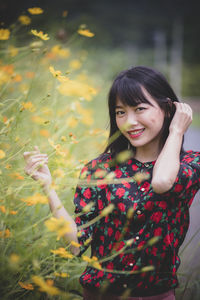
137	242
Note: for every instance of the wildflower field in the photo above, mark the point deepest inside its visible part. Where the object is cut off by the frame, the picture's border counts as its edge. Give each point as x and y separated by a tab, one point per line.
53	95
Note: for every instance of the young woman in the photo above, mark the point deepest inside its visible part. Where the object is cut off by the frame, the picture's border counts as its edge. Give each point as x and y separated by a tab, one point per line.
137	241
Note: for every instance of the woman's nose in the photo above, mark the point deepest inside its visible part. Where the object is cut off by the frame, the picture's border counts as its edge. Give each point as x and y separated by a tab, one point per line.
131	119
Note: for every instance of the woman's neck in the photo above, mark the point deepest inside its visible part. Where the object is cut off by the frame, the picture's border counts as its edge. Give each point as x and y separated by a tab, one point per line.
146	155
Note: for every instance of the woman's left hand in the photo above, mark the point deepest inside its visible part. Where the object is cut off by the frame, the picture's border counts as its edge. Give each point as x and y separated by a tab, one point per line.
182	118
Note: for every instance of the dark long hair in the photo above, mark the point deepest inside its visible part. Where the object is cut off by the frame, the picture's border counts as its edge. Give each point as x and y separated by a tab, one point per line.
128	88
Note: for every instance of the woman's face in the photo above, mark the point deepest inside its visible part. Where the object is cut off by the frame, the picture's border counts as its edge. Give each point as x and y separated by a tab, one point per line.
140	124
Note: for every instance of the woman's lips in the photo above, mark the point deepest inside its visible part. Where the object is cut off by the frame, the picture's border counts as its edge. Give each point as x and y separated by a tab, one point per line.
135	133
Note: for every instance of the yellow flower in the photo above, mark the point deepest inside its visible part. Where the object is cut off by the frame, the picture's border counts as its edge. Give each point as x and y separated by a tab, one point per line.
77	245
17	78
62	252
72	122
86	258
60	226
2	154
54	72
85	32
62	52
24	20
59	173
4	34
13	51
16	175
63	275
75	64
63	138
13	212
3	209
77	89
8	166
35	10
40	34
38	120
45	286
14	258
5	233
93	261
44	132
27	106
35	199
26	286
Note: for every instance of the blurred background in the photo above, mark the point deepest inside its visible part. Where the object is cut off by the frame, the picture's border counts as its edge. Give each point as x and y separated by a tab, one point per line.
159	33
156	33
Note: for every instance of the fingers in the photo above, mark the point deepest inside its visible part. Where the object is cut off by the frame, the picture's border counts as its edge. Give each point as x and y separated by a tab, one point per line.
184	108
30	169
36	152
34	160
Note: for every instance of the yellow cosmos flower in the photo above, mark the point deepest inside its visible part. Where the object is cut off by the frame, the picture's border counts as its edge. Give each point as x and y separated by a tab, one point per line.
35	10
45	286
26	286
45	133
77	245
54	72
40	34
60	226
92	261
38	119
62	52
59	173
62	274
5	233
4	34
72	122
35	199
77	89
58	75
2	209
16	175
14	258
24	20
27	106
13	51
86	32
62	252
75	64
2	154
13	212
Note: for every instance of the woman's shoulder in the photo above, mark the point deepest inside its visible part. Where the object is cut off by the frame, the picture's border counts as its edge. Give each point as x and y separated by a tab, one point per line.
190	156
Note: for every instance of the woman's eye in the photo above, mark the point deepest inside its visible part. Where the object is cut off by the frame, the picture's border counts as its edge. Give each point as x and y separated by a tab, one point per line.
119	112
140	108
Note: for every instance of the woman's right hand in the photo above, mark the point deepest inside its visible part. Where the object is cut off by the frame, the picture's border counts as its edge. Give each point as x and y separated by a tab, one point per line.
36	167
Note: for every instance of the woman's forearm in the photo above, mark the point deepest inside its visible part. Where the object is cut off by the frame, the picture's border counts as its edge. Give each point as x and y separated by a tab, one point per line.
168	163
59	211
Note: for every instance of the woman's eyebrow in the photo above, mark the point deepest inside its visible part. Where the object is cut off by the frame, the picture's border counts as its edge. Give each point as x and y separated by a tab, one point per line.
118	106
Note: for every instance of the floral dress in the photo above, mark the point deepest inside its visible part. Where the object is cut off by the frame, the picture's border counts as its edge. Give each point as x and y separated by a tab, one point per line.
136	240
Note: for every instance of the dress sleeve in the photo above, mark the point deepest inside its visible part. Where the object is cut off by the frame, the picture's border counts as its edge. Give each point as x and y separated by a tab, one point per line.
85	195
187	182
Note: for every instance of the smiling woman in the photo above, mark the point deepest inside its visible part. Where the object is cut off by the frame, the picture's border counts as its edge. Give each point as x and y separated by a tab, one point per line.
132	209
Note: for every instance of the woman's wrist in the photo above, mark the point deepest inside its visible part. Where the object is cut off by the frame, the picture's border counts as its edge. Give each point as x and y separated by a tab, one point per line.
47	189
176	132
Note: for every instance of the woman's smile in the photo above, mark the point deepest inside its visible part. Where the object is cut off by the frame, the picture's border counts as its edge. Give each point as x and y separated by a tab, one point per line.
135	133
